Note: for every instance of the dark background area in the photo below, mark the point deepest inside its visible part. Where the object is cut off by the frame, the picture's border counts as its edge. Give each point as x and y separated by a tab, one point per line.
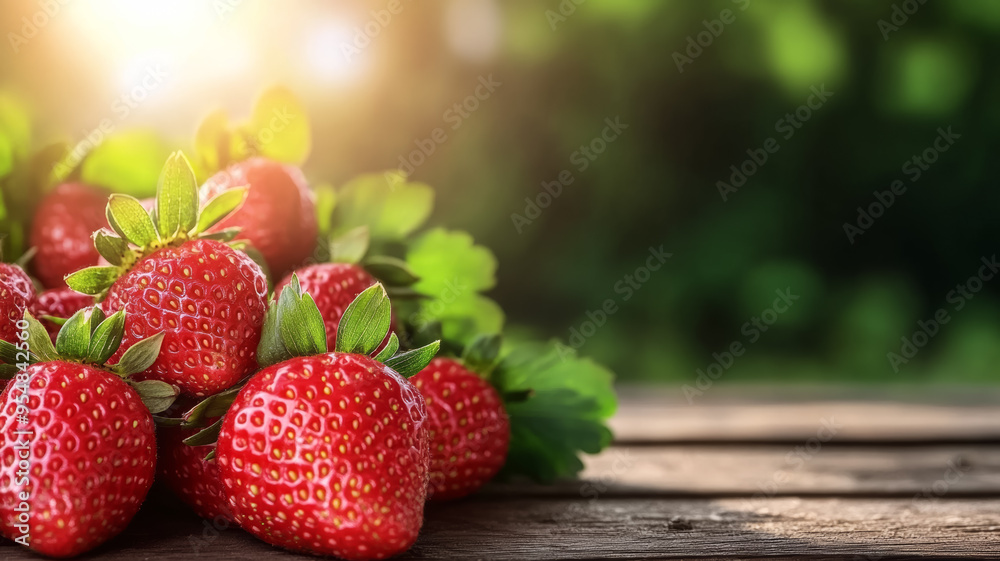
564	69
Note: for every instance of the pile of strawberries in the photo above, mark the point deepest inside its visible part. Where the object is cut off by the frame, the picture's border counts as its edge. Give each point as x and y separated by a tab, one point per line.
302	414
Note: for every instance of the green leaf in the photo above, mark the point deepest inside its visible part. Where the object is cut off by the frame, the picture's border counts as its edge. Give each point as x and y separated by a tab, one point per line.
271	350
176	197
127	162
112	248
411	362
389	270
10	354
569	401
449	264
8	371
390	349
391	207
210	407
212	141
39	341
462	318
350	246
224	235
106	338
549	430
300	323
219	207
278	127
73	339
140	356
205	437
365	322
93	280
156	395
127	216
326	201
481	354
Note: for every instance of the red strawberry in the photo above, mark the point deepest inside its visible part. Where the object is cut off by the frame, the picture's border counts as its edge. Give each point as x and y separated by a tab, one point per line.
64	222
278	216
206	297
60	303
192	478
16	293
469	429
328	453
88	434
209	301
333	286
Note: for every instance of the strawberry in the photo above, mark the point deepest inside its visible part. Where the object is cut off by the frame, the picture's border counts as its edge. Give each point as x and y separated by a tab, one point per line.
207	297
87	432
189	475
278	217
61	230
59	303
327	452
469	429
16	294
335	285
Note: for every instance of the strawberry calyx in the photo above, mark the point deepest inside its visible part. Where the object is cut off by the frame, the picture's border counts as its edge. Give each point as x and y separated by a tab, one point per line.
89	337
174	219
294	327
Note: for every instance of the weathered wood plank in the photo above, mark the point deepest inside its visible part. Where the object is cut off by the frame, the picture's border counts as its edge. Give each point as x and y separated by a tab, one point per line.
741	471
774	416
526	529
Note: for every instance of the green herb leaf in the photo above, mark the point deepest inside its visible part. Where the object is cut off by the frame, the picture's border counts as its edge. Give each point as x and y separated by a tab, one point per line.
93	280
219	207
176	197
140	356
127	216
300	323
111	247
365	322
106	338
390	349
350	246
480	356
73	339
389	270
156	395
411	362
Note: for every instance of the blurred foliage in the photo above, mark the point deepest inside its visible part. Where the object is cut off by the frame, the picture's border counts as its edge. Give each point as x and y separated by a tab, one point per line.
656	183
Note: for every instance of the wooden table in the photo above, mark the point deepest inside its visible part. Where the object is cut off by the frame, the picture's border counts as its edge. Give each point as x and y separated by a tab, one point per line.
742	473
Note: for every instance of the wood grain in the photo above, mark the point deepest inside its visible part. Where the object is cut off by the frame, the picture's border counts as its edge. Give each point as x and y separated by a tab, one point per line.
745	471
657	415
529	529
